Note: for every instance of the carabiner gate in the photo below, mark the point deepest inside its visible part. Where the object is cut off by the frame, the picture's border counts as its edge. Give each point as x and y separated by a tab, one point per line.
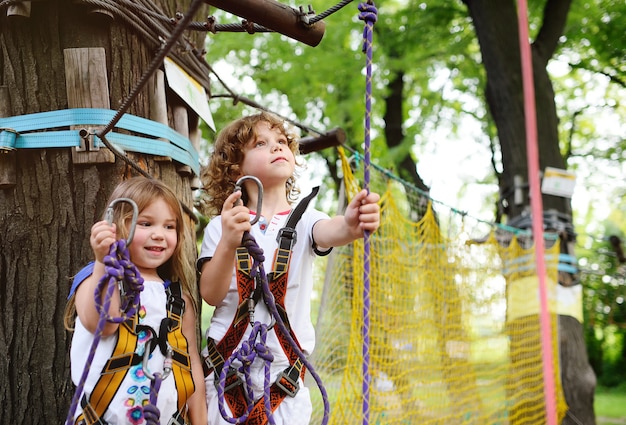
259	202
167	362
108	216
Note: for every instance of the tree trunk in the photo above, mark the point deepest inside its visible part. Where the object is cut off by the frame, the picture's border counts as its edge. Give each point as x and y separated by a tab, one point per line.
47	212
495	22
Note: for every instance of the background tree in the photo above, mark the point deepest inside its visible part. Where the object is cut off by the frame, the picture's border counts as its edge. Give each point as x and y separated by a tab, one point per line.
47	211
436	64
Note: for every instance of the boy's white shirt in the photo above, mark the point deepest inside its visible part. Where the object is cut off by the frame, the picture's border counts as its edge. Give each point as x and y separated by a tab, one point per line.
297	303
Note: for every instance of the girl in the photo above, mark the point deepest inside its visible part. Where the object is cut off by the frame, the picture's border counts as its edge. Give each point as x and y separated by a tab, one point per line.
261	146
129	354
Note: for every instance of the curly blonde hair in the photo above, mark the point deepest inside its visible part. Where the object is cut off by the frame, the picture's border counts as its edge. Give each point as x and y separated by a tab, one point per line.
224	168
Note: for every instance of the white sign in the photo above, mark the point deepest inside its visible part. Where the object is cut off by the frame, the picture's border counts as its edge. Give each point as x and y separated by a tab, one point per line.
558	182
189	90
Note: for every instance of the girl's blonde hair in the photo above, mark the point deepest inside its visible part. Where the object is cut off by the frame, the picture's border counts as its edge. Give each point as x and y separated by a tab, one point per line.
144	191
224	168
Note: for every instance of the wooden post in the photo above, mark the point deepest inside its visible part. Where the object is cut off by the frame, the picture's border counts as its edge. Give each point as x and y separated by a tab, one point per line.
180	123
158	104
275	16
8	155
87	87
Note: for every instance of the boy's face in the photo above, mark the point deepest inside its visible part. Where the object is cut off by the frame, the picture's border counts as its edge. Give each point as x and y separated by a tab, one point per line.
268	157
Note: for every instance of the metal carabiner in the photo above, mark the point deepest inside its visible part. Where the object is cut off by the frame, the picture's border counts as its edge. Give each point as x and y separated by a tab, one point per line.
259	202
108	216
167	362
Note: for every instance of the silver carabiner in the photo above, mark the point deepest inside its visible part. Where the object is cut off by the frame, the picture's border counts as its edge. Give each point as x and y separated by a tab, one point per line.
108	216
259	202
167	362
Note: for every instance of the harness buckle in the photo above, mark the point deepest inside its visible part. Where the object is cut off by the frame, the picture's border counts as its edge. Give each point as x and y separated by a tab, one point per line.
232	380
287	233
288	383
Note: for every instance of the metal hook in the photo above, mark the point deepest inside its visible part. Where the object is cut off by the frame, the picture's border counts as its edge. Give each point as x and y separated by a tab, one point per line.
259	202
108	216
167	362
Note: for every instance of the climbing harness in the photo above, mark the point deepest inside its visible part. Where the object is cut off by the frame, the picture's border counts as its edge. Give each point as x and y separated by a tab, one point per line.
170	339
253	286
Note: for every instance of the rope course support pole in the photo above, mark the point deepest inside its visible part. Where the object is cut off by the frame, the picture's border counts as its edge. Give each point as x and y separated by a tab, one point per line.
368	13
530	117
277	17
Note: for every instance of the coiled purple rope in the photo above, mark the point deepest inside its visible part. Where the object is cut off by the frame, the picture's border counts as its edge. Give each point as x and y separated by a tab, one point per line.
118	268
244	353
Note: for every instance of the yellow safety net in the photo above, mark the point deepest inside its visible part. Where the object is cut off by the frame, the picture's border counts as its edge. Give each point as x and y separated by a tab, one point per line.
455	335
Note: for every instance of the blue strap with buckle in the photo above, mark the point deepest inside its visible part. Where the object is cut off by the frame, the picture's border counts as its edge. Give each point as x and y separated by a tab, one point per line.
27	132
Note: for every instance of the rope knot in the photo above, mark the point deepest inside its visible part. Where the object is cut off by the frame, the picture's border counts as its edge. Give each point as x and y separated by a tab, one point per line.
151	414
369	13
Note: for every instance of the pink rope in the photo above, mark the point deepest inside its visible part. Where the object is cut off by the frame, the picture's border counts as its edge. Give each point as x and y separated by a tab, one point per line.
537	210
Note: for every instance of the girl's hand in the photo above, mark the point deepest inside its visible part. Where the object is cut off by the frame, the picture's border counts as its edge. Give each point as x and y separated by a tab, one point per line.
235	220
102	237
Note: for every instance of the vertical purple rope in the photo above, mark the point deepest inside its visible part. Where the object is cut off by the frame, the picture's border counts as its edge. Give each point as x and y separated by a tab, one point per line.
369	15
151	412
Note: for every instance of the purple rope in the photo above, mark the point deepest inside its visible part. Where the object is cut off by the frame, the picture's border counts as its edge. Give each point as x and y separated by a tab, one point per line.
257	268
246	354
151	412
118	267
369	14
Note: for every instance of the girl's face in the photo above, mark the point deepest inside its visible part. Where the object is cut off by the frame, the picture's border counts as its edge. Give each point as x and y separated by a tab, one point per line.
155	238
268	156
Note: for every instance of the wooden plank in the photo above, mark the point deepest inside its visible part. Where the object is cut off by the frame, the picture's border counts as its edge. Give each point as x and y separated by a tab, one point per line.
87	87
19	9
158	104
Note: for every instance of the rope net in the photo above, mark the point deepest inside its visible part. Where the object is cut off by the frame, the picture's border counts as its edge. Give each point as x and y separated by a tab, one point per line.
455	335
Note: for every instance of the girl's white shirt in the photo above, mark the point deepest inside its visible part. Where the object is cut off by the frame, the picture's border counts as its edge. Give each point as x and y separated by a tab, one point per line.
134	390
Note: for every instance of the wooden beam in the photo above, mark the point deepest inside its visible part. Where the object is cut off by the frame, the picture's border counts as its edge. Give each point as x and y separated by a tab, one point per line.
333	138
275	16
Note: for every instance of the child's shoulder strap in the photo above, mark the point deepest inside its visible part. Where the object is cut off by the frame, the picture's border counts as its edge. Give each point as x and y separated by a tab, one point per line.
83	274
296	213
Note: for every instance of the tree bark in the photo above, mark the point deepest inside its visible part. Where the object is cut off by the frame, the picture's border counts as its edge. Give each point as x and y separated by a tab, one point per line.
495	23
46	217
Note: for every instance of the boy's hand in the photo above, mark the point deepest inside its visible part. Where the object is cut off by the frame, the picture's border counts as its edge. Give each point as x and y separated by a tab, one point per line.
235	220
363	212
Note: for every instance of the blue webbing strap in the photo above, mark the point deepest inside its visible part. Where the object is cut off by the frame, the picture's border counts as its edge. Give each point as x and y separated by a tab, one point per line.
25	132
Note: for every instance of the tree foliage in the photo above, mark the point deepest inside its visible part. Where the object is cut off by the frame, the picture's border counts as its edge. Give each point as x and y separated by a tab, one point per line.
429	53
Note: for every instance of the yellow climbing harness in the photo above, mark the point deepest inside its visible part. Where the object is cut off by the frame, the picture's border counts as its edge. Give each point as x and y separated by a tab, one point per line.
125	356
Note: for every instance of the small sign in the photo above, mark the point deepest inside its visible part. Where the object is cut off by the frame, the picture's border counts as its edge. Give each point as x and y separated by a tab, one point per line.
558	182
189	90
